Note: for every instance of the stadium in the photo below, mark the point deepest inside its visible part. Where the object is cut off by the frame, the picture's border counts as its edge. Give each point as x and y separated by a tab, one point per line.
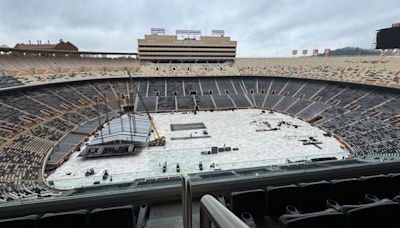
151	137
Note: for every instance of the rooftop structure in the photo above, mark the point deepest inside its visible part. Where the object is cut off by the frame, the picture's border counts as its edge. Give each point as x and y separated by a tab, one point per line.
63	46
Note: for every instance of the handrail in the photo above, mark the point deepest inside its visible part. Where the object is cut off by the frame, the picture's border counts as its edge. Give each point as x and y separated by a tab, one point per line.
213	212
186	202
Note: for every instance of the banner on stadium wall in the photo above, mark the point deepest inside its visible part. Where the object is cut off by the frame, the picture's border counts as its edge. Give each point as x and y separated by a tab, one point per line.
304	52
315	52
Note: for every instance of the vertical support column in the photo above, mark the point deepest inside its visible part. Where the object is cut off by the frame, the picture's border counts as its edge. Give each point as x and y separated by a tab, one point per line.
204	221
130	127
184	206
99	119
122	124
105	107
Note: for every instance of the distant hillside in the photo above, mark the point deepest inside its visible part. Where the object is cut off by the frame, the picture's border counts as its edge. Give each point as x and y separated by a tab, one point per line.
353	51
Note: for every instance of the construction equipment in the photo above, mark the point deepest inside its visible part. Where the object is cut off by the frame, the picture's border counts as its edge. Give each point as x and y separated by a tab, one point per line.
158	139
311	141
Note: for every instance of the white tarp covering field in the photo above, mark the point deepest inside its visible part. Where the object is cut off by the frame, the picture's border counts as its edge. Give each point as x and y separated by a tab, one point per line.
235	129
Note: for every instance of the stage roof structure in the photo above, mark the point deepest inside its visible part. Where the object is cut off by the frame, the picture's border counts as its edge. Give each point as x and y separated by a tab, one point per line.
133	129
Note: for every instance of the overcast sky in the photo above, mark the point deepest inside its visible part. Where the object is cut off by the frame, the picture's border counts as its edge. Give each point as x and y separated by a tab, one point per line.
261	27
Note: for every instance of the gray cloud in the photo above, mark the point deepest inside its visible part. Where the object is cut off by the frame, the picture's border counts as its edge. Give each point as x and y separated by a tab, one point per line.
261	27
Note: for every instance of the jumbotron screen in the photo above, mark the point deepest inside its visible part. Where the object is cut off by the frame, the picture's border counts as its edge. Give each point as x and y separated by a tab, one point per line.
388	38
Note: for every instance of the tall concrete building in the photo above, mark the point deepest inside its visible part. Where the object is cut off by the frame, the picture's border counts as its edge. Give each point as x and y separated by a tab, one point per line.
186	46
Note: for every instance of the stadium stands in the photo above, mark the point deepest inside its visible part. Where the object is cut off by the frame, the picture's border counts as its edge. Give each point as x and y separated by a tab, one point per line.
36	70
37	65
36	118
8	81
177	70
354	98
370	70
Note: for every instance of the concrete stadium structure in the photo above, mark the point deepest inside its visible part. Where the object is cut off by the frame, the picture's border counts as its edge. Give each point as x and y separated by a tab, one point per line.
186	46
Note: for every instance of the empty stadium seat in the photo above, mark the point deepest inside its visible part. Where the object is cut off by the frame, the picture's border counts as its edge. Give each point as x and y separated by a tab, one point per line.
377	185
394	184
313	196
328	218
346	191
76	219
277	198
121	217
251	201
26	222
383	213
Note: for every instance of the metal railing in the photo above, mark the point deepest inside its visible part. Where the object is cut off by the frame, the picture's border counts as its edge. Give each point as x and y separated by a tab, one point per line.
214	214
186	202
